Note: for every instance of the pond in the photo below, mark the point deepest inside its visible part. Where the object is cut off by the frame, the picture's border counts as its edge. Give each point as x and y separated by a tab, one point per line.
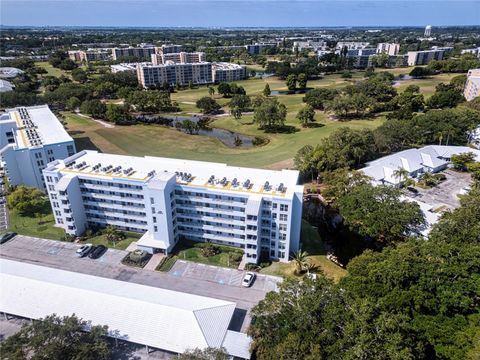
398	80
229	138
286	92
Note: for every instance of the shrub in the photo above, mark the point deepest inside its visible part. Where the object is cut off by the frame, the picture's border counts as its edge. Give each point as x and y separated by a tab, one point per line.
208	249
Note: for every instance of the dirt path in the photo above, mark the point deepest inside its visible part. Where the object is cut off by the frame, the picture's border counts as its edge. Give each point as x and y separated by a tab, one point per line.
103	123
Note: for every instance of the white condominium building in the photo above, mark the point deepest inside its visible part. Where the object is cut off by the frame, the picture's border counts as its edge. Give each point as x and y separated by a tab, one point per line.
472	86
138	52
223	71
473	51
388	48
424	57
168	49
181	57
351	45
173	74
90	55
30	138
256	210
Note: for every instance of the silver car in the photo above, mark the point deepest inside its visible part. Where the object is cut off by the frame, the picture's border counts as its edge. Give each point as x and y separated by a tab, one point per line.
84	250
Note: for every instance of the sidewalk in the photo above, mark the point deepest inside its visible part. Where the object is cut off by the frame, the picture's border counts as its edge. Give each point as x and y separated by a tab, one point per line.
154	261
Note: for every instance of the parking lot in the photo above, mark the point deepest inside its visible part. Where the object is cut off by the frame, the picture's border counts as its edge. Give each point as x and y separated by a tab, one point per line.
204	280
223	276
445	193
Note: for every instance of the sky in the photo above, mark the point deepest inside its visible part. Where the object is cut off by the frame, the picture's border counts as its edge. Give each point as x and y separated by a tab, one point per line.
238	13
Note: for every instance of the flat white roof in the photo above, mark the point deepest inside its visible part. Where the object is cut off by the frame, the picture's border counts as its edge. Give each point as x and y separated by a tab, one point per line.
44	123
200	172
156	317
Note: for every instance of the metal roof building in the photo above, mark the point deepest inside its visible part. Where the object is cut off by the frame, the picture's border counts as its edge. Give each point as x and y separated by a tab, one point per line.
151	316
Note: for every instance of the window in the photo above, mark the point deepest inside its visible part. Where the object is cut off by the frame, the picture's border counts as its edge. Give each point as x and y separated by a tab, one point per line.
51	188
152	200
155	228
283	207
283	217
154	219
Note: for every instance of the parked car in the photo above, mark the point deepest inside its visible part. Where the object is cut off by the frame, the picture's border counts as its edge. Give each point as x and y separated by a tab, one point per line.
7	236
97	252
248	279
84	250
412	189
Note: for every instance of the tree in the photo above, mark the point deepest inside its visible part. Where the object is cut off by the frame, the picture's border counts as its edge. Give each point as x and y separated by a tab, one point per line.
318	97
236	113
306	115
93	107
209	353
339	182
420	72
459	82
79	75
242	102
113	235
300	258
224	89
401	174
302	81
55	337
208	105
291	82
460	162
117	114
27	201
360	103
73	103
266	90
211	91
270	114
150	101
379	213
428	179
445	96
381	60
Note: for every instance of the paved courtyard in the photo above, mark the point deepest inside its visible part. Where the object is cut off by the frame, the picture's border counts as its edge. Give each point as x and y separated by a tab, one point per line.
445	193
204	280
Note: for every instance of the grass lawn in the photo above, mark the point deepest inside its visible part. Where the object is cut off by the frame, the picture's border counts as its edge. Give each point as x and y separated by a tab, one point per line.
311	242
120	245
278	153
52	71
191	251
42	227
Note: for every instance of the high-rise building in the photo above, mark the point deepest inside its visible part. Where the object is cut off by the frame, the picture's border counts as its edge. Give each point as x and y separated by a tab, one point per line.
173	74
425	56
138	52
168	49
388	48
30	138
90	55
428	31
181	57
256	210
472	86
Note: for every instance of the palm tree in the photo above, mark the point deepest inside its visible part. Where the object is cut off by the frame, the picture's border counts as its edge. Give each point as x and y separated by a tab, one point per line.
428	179
113	234
211	91
301	260
401	174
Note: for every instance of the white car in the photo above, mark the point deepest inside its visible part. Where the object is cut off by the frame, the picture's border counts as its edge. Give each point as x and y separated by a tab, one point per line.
248	279
84	250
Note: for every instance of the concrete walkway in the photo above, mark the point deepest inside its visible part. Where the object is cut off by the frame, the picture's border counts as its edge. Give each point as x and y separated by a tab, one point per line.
132	246
242	264
154	261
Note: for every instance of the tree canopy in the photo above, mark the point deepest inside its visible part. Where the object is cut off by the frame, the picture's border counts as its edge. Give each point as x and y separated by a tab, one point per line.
57	337
27	201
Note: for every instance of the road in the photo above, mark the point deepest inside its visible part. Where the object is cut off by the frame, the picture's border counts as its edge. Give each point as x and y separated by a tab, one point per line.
210	281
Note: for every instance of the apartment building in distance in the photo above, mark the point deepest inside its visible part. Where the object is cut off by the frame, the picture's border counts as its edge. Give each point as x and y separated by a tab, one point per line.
472	86
167	200
259	48
182	74
425	56
223	71
181	57
200	73
351	45
144	52
388	48
30	138
309	45
90	55
473	51
168	49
